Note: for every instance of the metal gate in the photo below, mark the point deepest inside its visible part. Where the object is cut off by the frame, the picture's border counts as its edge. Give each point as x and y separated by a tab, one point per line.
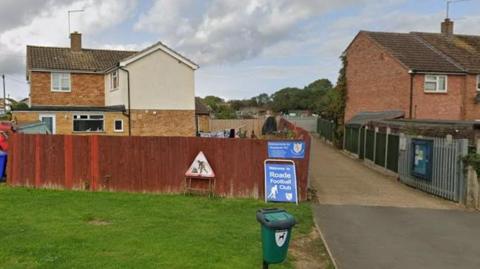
447	178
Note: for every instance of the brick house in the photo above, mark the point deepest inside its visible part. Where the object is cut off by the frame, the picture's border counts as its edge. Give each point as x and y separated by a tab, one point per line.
426	75
94	91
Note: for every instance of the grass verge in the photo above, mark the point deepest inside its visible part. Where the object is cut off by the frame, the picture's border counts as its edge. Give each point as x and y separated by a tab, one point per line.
68	229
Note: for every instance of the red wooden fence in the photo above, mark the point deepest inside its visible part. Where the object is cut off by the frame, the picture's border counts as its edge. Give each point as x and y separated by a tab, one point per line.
139	164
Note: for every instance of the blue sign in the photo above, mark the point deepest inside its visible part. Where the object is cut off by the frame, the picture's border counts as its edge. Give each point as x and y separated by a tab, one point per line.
422	158
286	149
280	182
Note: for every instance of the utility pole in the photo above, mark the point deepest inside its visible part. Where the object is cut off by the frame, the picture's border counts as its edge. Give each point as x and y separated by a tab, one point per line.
4	96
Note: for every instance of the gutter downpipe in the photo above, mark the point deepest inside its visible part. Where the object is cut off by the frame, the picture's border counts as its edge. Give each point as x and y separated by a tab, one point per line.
412	74
128	98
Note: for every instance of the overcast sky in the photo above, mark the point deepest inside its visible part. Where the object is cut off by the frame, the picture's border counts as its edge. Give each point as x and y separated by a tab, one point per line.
243	47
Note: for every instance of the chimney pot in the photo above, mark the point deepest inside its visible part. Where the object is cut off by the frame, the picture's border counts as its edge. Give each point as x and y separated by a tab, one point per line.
447	27
76	41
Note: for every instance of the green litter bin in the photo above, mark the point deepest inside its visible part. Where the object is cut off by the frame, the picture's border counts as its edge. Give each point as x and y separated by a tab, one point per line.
276	225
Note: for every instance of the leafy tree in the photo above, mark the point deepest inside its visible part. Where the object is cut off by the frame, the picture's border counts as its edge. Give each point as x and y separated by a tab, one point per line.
225	112
213	101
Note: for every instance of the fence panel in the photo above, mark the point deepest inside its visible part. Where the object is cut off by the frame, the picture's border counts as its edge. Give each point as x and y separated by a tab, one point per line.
392	152
370	145
248	125
326	129
380	147
361	144
447	178
351	139
142	164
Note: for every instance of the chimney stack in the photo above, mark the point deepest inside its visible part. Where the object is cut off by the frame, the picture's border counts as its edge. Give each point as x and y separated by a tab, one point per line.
447	27
76	41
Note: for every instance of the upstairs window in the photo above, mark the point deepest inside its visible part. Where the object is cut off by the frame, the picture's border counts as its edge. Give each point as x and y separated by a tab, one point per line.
88	123
114	80
435	83
60	82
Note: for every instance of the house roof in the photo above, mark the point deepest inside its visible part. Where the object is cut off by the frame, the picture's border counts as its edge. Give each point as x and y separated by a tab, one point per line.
363	118
413	52
200	108
91	60
462	49
159	46
430	52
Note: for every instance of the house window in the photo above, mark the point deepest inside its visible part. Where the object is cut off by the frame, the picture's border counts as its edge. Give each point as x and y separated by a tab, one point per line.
88	123
478	82
114	80
118	125
61	82
435	83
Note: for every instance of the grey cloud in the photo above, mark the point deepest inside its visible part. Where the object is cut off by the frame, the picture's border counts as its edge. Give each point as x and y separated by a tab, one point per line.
231	31
15	13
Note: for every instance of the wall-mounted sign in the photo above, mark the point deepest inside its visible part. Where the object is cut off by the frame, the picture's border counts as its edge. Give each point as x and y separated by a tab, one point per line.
280	181
286	149
200	167
422	158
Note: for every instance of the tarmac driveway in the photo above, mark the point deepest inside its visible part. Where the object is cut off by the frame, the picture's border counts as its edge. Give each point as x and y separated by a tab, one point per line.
369	220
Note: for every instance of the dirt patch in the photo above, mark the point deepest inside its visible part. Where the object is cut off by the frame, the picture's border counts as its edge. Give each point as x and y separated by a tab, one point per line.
99	222
309	252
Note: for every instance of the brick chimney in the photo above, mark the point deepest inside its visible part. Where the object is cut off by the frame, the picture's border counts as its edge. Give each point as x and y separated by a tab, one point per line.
76	41
447	27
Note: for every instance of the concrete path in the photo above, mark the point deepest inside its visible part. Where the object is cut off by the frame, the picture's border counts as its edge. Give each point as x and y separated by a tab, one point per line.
369	220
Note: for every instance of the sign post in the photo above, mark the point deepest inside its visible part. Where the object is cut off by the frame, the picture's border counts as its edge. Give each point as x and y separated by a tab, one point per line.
280	181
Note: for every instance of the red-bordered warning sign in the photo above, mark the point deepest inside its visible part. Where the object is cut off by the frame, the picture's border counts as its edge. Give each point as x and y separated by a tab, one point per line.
200	167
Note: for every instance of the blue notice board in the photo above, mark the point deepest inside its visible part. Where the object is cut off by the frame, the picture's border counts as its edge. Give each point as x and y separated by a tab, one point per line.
422	158
280	182
286	149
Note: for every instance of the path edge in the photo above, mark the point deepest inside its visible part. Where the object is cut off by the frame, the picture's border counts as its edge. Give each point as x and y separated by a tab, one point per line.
330	254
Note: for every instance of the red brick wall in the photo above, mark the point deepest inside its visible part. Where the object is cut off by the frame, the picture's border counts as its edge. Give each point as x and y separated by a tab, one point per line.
472	109
375	80
87	90
446	106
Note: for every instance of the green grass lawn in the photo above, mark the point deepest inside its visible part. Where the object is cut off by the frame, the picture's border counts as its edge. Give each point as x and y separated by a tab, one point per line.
68	229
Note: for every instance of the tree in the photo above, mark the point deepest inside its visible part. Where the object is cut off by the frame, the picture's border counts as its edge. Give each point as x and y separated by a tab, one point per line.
213	101
225	112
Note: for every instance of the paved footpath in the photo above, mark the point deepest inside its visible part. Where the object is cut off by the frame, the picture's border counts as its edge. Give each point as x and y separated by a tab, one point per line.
369	220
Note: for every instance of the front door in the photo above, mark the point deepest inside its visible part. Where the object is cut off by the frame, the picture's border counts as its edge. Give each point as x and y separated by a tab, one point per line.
49	120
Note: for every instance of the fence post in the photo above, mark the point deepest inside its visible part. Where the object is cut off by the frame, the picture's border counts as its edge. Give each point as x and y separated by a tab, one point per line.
68	157
38	163
94	162
365	144
11	162
375	144
386	147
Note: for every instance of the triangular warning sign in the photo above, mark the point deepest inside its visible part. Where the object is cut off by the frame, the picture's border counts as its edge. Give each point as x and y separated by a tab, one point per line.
200	167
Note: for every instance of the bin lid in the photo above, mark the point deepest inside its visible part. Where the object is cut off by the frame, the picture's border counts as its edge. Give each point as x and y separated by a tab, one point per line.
275	218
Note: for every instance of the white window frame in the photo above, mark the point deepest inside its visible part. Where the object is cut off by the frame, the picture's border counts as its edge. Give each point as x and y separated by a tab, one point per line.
436	80
88	118
478	83
52	87
115	126
111	79
54	121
